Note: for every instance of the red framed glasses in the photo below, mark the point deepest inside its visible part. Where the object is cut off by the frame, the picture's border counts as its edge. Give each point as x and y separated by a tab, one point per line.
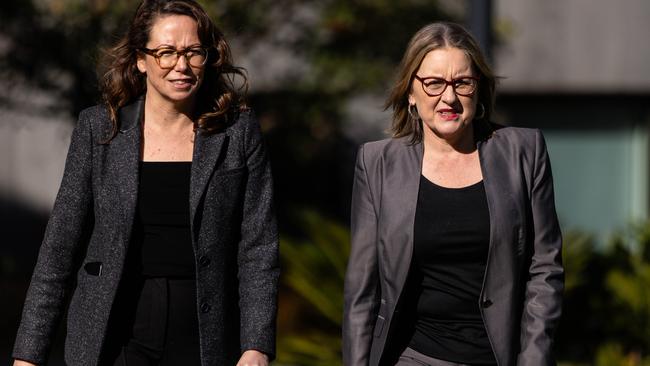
433	86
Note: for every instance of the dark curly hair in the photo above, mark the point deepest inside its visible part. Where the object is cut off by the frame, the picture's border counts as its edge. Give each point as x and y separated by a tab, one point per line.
121	83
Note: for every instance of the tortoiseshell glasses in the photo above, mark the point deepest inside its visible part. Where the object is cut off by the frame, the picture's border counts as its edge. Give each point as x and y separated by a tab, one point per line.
167	57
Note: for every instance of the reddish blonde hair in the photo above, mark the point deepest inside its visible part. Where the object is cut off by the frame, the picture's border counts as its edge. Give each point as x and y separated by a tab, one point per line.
431	37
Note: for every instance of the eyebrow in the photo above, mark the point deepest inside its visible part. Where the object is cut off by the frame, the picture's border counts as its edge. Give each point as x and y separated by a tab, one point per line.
453	78
164	45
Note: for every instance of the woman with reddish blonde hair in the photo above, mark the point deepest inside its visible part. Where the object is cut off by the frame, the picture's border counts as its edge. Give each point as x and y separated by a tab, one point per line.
456	247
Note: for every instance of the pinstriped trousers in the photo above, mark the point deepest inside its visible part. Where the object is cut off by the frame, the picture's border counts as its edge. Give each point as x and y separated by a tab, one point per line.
156	325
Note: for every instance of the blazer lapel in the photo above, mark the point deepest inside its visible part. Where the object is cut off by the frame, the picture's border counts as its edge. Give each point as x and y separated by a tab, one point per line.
502	181
504	218
126	156
207	151
402	180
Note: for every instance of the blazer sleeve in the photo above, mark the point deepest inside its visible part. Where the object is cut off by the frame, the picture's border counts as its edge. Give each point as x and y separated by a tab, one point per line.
361	291
64	236
543	293
258	268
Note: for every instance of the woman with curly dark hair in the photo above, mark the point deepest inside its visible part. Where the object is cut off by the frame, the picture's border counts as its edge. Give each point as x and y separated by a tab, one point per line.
164	217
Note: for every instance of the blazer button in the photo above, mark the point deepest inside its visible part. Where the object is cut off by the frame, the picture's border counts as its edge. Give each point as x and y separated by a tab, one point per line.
204	261
205	307
486	303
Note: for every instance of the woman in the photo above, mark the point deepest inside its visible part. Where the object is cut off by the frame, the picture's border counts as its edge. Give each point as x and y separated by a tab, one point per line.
171	169
455	241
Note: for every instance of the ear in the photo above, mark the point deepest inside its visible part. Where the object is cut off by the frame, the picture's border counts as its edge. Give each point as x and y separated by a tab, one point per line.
141	64
411	99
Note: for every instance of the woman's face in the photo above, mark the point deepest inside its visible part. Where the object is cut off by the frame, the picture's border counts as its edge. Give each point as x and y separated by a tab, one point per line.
177	85
448	114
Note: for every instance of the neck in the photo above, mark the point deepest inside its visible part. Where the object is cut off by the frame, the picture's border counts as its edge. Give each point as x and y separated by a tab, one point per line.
462	143
167	116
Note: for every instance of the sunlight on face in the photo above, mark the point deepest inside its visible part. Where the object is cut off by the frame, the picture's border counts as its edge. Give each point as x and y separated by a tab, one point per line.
446	115
178	85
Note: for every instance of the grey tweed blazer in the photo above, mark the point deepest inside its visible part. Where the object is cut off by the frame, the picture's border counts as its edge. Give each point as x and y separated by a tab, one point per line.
234	237
520	301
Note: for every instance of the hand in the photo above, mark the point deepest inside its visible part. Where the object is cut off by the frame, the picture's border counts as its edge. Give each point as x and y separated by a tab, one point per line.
253	358
23	363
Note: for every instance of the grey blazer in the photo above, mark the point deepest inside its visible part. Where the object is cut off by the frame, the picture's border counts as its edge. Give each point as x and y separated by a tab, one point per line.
520	300
234	237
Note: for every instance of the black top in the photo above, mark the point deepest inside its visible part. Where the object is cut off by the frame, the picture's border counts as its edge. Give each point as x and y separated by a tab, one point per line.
450	247
162	238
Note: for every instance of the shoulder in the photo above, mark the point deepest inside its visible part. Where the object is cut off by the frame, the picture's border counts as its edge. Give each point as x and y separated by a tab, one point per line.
518	138
516	133
96	112
95	120
244	130
97	117
515	146
241	117
241	120
386	147
396	155
239	124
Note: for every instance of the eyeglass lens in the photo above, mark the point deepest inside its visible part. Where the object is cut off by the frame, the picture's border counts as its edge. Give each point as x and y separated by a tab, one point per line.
462	86
195	57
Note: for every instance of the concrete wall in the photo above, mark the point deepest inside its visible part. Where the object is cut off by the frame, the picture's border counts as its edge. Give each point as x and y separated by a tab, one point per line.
573	45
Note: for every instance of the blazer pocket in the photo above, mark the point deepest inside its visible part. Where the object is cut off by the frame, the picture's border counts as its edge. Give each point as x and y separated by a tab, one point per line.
379	325
93	268
228	172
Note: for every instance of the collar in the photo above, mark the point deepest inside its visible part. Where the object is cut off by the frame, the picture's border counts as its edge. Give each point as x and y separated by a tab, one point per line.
131	115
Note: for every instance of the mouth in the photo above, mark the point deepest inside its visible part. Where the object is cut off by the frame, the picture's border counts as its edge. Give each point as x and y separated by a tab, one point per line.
182	83
448	114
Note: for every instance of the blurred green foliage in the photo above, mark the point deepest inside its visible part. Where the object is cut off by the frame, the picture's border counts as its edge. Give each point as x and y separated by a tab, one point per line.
606	318
313	269
349	47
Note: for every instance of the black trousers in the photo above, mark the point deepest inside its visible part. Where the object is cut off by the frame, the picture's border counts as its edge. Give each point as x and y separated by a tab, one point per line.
411	357
154	322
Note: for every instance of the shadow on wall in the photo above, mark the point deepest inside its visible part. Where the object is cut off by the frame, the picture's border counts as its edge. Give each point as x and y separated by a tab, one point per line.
22	231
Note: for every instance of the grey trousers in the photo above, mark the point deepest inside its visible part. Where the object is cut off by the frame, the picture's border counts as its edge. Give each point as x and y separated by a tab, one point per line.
411	357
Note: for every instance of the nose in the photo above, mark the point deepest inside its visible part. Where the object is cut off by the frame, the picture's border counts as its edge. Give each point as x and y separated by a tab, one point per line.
449	95
181	63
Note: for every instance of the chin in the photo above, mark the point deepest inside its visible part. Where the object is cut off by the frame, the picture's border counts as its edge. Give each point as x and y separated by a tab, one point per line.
181	96
448	129
447	126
